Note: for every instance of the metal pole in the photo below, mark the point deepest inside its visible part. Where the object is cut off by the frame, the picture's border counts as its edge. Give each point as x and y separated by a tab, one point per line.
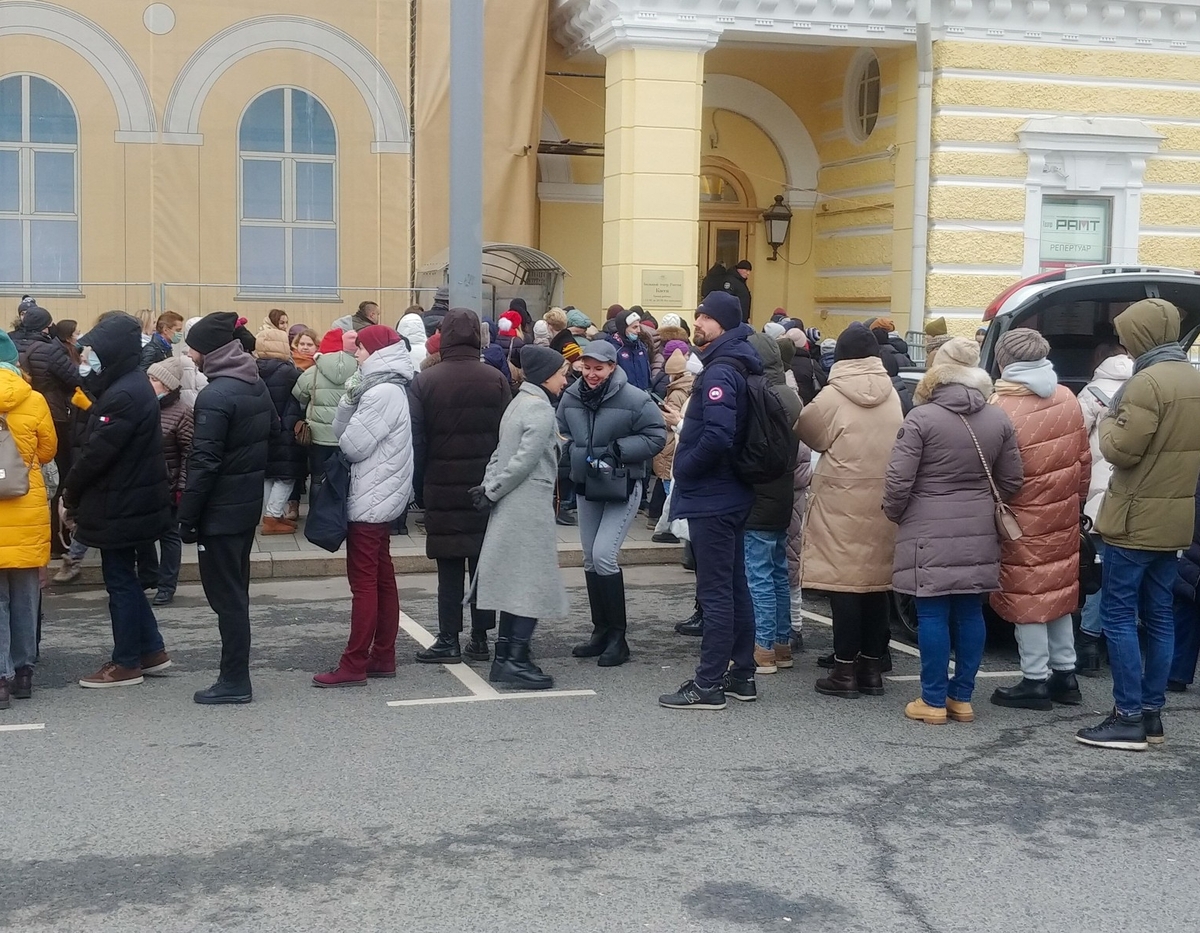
466	153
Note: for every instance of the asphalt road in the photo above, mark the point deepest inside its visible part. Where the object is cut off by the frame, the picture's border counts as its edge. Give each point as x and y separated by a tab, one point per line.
136	810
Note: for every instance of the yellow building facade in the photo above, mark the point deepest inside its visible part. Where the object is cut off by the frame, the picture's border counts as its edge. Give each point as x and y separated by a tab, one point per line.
261	154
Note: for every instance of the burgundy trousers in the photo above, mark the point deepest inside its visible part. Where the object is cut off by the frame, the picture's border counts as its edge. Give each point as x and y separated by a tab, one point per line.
375	605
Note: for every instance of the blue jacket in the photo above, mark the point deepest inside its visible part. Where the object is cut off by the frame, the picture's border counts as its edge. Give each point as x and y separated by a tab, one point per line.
1187	584
633	359
714	425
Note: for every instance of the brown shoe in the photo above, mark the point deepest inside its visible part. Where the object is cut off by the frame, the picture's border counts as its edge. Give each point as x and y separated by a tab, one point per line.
155	663
277	526
841	682
869	673
292	512
959	710
923	712
22	685
113	675
4	693
764	660
783	655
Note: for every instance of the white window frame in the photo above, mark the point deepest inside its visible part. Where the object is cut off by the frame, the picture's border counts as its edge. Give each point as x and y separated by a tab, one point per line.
856	78
25	212
288	161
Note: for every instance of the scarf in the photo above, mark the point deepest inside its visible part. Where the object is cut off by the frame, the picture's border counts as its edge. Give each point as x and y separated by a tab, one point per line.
1167	353
367	383
1036	375
591	398
12	368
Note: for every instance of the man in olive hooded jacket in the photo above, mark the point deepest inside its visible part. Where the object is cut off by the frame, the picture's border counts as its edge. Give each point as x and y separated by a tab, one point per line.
1150	437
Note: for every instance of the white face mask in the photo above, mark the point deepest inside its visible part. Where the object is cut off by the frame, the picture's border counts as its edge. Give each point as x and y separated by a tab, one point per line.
91	362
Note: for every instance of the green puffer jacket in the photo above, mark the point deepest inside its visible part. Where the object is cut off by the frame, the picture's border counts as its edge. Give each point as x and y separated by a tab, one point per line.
323	384
1152	440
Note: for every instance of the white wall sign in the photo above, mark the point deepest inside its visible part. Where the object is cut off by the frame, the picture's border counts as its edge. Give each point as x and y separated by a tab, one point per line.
1075	231
662	289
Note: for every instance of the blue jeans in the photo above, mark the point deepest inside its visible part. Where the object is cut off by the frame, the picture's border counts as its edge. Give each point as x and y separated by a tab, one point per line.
1135	578
1090	621
767	577
1187	641
20	593
935	615
135	630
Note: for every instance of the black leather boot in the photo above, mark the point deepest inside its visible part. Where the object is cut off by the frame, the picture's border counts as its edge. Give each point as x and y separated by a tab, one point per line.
477	647
598	641
444	650
224	692
1064	688
1028	694
513	664
841	682
1087	654
22	685
500	655
693	625
616	651
869	674
689	557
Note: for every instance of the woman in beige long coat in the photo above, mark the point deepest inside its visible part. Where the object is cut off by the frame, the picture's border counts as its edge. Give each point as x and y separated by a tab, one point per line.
848	541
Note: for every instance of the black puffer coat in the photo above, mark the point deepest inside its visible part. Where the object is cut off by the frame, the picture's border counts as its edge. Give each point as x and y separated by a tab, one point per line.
809	373
773	501
456	409
155	351
117	486
235	420
286	459
50	369
1187	584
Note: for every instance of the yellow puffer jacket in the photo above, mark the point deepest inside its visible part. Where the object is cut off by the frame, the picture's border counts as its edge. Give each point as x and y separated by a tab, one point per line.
25	522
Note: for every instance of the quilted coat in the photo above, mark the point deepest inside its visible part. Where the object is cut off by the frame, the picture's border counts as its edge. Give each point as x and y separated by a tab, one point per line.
319	390
679	390
801	480
521	535
25	522
1110	375
376	437
177	430
1039	573
774	501
852	423
51	371
937	492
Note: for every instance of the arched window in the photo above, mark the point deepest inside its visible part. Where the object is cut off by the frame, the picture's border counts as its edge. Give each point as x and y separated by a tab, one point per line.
39	190
862	96
287	230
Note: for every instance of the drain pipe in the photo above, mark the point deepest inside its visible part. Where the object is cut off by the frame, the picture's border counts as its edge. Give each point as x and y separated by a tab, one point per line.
923	144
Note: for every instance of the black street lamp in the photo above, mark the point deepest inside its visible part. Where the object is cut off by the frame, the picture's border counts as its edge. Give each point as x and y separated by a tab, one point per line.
777	217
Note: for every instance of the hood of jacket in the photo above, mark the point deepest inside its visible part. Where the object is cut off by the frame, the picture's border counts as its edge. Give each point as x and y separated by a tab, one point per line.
1147	324
968	377
1038	376
865	382
669	333
13	390
337	367
117	341
1116	368
394	359
461	328
733	344
676	364
412	326
768	352
272	344
231	360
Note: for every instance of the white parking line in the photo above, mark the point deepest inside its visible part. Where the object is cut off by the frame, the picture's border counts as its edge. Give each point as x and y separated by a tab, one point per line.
895	645
24	727
916	677
480	689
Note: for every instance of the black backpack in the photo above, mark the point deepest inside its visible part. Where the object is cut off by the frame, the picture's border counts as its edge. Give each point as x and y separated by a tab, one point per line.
769	449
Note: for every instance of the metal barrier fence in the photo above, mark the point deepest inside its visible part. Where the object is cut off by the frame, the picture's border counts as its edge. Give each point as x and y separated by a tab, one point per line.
318	308
83	301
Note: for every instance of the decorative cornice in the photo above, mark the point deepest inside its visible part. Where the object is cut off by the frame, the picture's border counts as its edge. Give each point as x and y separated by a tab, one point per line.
1135	24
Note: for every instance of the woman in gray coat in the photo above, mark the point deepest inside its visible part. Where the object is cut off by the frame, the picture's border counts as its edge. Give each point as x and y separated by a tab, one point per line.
947	546
612	424
518	490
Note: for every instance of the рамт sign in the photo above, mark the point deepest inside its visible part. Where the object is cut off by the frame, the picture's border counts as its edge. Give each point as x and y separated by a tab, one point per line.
1075	231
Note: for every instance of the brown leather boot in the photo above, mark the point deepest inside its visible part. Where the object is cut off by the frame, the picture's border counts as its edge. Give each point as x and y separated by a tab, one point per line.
22	685
276	526
869	672
4	693
841	681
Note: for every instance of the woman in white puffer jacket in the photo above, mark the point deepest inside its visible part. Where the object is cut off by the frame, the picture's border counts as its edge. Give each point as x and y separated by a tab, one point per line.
412	328
374	431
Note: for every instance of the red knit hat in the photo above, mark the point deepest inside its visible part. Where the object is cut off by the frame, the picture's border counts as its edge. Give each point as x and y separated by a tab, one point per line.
434	343
376	337
331	342
514	319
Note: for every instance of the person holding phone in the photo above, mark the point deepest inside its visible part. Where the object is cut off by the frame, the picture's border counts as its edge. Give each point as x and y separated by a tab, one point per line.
1112	367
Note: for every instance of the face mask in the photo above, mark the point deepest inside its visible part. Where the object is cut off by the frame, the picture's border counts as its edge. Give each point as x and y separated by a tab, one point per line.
160	396
90	364
177	337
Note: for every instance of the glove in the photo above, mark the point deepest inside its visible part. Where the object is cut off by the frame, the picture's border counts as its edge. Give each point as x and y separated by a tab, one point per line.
189	534
479	499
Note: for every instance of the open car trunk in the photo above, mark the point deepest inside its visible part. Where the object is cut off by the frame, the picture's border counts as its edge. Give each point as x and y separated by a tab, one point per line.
1076	317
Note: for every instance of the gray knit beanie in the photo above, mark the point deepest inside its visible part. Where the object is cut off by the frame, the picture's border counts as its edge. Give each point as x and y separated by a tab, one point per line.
1021	345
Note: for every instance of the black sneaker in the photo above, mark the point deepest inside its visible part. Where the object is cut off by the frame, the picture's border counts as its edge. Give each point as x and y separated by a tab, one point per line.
163	598
739	688
689	696
224	692
1176	686
1116	731
693	625
1152	720
1087	655
566	518
444	650
664	537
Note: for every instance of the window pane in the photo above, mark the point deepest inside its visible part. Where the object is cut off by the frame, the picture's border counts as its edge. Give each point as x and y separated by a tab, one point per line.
262	189
10	180
262	124
10	251
54	251
312	130
51	117
314	191
314	259
10	109
54	182
261	261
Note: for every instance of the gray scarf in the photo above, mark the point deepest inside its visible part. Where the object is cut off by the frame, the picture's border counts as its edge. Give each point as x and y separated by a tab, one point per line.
354	395
1167	353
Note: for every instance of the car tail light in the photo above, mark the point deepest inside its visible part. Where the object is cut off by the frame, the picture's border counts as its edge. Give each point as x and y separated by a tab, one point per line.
994	308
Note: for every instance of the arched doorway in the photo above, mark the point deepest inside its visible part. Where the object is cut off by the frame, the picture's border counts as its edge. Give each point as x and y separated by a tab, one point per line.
728	215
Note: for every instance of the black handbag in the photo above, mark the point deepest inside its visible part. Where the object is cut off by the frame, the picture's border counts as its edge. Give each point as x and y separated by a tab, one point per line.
1091	570
603	481
327	521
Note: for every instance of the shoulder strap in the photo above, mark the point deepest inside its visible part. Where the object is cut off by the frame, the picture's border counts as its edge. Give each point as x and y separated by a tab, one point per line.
982	459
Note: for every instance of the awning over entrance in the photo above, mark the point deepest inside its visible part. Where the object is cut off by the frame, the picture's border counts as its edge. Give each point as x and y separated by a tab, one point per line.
512	270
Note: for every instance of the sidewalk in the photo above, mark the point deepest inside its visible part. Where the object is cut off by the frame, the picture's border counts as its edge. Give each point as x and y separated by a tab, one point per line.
282	556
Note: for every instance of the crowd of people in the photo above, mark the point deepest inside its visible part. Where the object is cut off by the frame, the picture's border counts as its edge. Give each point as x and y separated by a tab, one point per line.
963	493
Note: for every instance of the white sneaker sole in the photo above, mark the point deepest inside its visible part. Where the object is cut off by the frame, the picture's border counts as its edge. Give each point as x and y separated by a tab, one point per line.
773	669
158	668
1119	746
708	706
132	682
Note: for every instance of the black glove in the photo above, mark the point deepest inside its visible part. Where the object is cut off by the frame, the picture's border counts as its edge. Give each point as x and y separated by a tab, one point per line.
479	499
189	534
